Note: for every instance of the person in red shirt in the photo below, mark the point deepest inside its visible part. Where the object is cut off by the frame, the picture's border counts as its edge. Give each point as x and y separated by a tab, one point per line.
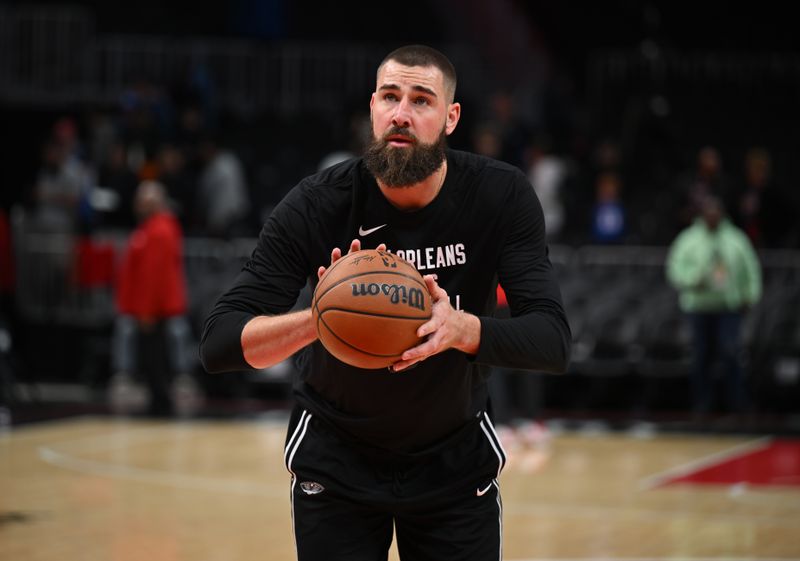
151	331
151	283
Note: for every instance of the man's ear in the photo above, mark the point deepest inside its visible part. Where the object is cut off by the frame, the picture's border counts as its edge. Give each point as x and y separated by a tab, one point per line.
453	115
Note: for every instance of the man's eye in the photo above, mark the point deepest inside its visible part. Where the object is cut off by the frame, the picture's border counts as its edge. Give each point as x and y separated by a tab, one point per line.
421	101
390	97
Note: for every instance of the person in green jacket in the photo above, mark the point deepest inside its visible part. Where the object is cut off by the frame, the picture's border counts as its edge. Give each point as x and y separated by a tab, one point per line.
716	271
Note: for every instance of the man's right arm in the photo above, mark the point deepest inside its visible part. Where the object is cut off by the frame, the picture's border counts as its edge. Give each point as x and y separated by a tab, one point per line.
243	333
245	330
253	325
267	340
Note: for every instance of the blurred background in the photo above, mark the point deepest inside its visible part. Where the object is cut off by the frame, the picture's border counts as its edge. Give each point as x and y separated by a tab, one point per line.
618	112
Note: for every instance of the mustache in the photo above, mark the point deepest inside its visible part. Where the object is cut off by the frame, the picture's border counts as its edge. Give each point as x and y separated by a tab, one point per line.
403	131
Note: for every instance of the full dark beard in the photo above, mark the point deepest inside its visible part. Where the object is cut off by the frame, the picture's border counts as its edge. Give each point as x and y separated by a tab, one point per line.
402	167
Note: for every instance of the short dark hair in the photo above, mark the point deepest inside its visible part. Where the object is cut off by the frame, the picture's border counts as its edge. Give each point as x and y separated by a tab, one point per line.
422	55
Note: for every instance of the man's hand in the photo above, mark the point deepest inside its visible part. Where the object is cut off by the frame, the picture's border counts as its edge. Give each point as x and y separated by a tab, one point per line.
448	328
336	254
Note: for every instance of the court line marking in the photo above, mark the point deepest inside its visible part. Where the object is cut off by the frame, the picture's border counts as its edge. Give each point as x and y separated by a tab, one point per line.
121	471
663	515
747	495
49	454
652	481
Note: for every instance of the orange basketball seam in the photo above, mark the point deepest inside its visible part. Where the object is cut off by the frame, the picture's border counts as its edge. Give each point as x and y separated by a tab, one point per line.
372	314
332	332
362	351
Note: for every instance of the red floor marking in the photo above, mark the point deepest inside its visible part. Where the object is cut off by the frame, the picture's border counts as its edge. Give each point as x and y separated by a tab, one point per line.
777	463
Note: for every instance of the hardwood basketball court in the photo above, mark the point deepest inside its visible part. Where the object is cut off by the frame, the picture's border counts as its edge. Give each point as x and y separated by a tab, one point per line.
120	489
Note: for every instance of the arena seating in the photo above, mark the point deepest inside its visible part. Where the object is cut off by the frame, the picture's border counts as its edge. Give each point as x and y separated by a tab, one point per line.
630	341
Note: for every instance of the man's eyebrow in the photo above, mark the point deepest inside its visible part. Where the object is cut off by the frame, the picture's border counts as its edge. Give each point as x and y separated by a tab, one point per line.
421	89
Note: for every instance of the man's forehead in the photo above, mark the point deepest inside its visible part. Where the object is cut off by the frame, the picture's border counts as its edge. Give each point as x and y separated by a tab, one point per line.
395	74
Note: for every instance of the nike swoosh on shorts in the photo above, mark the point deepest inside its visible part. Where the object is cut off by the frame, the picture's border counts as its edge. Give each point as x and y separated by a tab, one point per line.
363	232
482	492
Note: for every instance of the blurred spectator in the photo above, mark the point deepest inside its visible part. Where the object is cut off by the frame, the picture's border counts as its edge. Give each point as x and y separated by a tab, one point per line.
196	100
151	332
504	120
717	273
761	208
486	141
223	202
608	214
579	189
547	173
706	178
146	118
115	176
179	180
63	183
102	133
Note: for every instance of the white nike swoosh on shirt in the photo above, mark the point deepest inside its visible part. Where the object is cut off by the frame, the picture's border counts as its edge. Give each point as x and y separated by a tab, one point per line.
363	232
481	493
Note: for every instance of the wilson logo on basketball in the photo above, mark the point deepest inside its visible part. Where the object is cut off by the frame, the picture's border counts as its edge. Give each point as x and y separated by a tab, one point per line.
397	293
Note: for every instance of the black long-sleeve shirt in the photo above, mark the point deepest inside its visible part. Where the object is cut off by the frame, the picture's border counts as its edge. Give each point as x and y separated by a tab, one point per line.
486	225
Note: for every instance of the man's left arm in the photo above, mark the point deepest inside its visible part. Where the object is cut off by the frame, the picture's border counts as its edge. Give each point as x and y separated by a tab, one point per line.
537	335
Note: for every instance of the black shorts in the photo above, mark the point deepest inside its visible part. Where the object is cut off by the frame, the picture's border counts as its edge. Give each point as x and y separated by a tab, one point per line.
443	505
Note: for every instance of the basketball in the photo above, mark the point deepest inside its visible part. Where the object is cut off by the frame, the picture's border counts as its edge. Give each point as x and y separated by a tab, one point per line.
368	306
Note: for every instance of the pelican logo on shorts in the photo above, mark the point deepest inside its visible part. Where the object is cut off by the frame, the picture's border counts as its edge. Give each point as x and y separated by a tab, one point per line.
396	292
311	487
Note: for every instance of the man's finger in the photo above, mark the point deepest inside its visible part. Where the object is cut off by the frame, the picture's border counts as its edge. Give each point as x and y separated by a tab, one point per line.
421	351
401	365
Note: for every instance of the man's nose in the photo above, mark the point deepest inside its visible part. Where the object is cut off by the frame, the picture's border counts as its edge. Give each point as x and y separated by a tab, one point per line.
402	115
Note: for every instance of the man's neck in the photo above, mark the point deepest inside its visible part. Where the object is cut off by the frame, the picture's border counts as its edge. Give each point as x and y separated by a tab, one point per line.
419	195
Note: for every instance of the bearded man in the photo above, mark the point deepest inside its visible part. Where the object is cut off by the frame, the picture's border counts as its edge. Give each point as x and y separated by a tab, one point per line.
406	451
